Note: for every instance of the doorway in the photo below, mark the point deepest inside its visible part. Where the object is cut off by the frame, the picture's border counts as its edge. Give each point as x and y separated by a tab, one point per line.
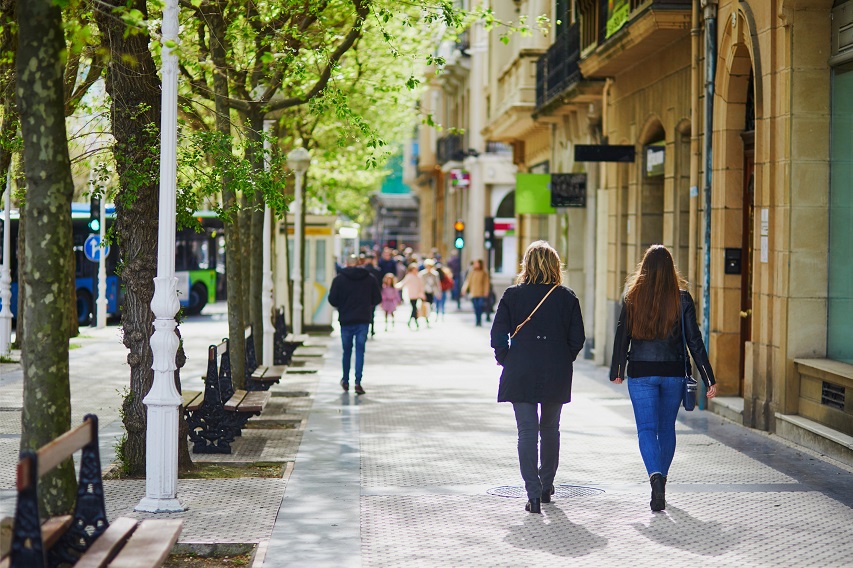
747	248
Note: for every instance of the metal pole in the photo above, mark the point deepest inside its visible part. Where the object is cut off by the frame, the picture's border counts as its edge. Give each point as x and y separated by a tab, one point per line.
297	255
102	270
6	273
163	401
267	284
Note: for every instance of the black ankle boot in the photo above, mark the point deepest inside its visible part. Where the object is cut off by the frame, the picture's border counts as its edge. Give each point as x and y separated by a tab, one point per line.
546	493
534	506
658	483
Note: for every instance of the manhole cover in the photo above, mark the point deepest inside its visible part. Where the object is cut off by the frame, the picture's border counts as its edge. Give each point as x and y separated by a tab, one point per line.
562	491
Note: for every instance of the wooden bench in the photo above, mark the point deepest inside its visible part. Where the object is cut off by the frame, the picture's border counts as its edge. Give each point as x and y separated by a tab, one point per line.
85	539
259	377
217	415
284	344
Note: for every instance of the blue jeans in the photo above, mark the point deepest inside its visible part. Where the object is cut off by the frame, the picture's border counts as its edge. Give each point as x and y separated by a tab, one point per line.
478	308
358	332
538	464
656	401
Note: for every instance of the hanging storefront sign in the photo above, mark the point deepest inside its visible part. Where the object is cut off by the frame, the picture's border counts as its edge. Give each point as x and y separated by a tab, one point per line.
655	155
604	153
568	190
533	194
460	178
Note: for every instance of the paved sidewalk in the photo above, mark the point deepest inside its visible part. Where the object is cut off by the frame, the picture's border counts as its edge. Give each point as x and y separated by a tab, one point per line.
418	471
410	475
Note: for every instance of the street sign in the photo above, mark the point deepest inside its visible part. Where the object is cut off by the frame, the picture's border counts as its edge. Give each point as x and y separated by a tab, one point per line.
93	250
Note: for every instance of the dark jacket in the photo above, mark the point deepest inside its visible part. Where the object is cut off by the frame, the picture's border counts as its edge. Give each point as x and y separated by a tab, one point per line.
355	293
538	365
663	357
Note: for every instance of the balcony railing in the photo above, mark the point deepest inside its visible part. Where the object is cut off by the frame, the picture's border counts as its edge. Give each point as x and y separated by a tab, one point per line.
557	70
450	148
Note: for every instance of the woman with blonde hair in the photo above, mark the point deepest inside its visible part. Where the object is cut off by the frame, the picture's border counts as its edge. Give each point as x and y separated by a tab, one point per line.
537	334
656	327
414	288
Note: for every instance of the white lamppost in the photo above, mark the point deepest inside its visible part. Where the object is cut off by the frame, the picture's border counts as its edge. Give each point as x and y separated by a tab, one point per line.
6	273
101	302
163	401
266	284
298	160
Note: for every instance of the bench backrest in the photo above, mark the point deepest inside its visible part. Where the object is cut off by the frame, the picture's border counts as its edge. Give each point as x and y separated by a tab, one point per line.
279	348
90	517
251	359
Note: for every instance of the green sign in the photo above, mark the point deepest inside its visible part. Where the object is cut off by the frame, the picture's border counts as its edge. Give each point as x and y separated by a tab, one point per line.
617	15
533	194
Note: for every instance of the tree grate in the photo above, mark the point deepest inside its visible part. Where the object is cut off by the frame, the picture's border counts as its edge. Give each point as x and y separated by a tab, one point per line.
561	491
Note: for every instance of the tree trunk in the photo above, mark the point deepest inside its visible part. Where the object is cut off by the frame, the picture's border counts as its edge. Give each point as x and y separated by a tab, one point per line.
256	273
233	249
71	312
133	84
22	270
47	391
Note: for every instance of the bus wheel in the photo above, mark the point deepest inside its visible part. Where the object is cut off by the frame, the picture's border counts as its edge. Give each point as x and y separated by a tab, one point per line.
198	298
84	307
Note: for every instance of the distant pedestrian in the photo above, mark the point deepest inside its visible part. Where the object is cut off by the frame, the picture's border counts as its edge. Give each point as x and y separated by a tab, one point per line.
446	284
650	351
477	286
454	263
414	289
370	264
537	334
355	294
390	298
432	285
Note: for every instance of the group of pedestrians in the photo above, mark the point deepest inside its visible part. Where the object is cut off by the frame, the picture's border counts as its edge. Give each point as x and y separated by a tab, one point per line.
536	336
538	332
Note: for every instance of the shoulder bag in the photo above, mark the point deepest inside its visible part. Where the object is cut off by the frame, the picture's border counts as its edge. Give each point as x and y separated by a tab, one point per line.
519	326
690	384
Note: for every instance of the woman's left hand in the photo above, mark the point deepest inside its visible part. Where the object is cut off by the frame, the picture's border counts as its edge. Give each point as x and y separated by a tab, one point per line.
712	391
618	380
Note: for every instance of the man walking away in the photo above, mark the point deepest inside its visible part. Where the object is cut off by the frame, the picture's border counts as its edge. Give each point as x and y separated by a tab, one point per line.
355	294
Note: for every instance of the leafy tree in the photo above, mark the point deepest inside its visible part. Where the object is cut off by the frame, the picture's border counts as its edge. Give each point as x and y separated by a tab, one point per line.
40	94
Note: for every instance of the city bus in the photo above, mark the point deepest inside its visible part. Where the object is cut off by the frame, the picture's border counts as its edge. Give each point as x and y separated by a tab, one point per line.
199	264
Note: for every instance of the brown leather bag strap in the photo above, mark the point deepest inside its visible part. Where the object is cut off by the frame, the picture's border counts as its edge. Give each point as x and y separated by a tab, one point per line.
533	312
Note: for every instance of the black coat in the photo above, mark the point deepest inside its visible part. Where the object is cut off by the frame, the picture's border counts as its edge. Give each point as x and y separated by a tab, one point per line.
355	293
538	366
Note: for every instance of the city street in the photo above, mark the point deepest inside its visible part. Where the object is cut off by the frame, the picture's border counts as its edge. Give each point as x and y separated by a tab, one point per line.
422	470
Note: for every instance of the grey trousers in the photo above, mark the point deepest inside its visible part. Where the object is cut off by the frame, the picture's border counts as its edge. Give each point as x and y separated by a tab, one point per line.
538	463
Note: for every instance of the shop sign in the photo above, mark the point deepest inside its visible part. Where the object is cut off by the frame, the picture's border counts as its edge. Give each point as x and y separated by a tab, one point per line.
655	156
617	16
460	178
568	190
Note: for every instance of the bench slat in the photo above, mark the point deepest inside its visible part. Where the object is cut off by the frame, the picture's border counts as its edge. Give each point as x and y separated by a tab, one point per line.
191	400
107	545
258	373
55	452
254	401
53	529
235	400
150	544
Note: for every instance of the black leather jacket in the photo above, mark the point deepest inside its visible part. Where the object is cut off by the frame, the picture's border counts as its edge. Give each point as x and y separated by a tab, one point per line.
669	350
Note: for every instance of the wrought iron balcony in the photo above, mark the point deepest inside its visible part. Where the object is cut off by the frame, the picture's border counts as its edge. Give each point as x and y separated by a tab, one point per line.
557	70
617	35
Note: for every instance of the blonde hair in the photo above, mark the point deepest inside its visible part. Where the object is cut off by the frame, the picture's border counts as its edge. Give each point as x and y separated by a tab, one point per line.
541	265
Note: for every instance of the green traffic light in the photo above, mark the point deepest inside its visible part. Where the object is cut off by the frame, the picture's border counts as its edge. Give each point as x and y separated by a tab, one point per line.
95	225
460	242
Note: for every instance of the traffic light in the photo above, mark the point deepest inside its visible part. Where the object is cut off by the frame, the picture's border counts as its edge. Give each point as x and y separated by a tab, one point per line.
459	227
489	233
95	214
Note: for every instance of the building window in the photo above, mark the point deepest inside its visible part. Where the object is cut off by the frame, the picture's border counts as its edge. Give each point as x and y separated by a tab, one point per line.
589	23
840	305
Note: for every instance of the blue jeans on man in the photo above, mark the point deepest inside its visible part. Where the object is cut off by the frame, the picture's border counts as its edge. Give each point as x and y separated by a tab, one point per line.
538	462
478	304
656	401
356	332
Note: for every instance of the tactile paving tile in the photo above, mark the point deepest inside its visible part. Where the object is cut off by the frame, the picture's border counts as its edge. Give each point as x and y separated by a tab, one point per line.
560	491
9	451
258	445
10	421
720	530
219	510
426	417
415	461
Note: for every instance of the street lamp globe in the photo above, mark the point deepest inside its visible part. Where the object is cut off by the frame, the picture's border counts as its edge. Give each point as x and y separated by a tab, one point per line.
298	160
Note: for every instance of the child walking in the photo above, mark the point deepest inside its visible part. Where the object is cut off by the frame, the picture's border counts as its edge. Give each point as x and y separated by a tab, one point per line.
390	298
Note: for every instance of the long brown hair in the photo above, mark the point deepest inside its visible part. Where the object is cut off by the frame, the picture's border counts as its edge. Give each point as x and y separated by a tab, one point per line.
653	300
541	265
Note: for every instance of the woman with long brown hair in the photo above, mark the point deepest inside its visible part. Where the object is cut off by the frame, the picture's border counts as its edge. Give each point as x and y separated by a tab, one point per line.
537	334
650	351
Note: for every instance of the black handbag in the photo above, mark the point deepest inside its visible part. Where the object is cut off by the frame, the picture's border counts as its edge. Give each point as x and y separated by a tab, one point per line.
690	384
